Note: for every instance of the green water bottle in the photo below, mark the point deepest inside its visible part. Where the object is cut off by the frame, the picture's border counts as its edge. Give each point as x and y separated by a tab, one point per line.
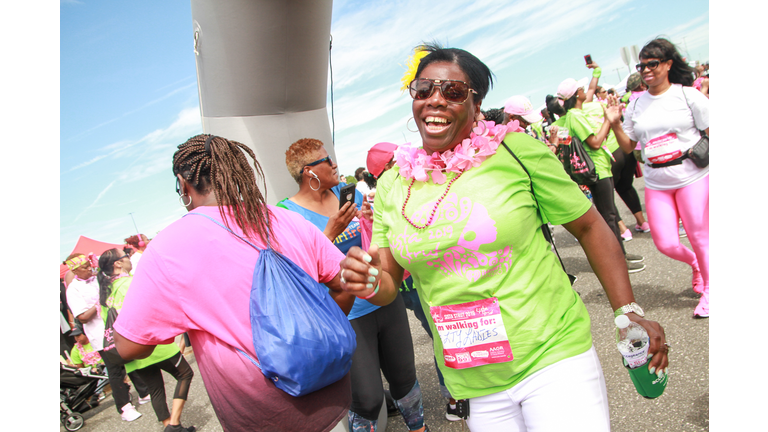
632	342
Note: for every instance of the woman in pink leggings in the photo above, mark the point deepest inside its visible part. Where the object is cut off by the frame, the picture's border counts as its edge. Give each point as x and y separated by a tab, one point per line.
666	122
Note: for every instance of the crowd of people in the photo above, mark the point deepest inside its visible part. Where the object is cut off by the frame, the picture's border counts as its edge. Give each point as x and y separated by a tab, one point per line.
452	230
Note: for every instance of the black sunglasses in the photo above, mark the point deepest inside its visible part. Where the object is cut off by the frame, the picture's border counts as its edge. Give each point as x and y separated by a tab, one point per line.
451	90
651	65
178	186
319	161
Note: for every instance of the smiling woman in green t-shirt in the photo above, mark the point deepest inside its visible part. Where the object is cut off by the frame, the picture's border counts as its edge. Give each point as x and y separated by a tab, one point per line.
459	214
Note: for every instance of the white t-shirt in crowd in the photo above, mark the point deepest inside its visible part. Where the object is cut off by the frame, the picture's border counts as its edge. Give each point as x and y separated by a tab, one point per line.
362	186
81	296
667	120
135	261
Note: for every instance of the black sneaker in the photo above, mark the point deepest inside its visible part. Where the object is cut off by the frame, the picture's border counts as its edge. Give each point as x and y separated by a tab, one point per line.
450	413
634	267
179	428
633	258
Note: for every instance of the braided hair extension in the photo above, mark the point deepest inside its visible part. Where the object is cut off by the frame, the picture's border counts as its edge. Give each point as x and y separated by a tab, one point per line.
105	277
224	167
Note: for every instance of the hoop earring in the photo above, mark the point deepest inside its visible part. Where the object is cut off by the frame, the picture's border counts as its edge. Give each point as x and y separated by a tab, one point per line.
407	123
478	124
318	183
181	200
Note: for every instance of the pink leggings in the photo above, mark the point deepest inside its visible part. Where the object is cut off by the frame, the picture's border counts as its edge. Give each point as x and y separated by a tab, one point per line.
691	204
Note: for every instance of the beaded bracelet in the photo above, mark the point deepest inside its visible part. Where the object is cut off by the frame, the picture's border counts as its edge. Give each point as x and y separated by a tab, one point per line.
373	293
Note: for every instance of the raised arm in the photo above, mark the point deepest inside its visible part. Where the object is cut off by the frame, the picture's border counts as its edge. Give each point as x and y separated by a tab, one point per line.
593	83
596	140
612	114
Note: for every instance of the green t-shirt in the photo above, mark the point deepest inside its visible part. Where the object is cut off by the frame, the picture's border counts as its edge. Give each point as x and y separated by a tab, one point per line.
594	110
486	241
89	352
115	299
583	124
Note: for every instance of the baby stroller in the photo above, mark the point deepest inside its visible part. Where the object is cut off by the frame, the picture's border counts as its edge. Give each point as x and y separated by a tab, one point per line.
78	390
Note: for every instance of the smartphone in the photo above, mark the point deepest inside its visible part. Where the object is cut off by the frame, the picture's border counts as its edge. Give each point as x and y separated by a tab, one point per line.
588	59
346	194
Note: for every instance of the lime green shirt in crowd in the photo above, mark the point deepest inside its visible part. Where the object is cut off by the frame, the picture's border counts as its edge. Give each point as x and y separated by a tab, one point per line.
162	352
582	123
486	241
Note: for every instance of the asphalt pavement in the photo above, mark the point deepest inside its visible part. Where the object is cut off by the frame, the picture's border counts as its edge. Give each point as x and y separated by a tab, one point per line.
664	291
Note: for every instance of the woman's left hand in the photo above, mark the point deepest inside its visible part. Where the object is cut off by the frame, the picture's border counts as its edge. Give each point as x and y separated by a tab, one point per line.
365	211
658	347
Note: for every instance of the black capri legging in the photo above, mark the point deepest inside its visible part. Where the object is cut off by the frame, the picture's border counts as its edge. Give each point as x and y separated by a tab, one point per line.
383	343
602	197
623	171
178	367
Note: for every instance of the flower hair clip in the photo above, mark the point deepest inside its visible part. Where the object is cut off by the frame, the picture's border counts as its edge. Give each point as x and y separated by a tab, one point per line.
412	64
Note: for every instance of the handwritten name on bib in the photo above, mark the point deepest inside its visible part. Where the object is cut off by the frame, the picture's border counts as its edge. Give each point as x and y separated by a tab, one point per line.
472	333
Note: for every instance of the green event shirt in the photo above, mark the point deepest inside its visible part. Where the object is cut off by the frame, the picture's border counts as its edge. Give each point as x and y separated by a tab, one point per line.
115	299
486	241
78	358
582	123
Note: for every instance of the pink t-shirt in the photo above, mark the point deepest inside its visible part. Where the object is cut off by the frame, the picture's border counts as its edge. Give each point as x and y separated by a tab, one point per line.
196	277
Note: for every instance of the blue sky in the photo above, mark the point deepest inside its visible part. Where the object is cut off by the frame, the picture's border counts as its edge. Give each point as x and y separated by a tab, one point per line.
128	86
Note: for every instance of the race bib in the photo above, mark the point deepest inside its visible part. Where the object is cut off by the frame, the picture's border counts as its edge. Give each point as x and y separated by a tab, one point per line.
473	333
663	149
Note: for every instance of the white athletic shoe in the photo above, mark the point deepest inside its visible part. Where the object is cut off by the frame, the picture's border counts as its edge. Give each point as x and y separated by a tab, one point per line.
130	413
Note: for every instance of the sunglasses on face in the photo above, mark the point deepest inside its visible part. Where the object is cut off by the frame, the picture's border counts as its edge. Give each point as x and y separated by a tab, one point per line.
178	186
319	161
452	91
651	65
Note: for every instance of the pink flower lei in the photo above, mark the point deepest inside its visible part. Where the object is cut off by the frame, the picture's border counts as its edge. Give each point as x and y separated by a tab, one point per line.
483	142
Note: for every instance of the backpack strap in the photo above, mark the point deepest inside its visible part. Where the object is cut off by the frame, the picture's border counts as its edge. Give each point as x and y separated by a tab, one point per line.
544	227
226	228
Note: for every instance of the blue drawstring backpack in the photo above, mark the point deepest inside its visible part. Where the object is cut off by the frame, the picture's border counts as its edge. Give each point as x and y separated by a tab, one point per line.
301	336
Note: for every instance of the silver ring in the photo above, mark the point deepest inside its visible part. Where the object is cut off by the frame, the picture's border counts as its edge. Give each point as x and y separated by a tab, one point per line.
342	276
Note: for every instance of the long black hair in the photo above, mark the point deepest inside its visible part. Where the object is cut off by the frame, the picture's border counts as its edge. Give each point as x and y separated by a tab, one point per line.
662	49
369	179
105	277
554	107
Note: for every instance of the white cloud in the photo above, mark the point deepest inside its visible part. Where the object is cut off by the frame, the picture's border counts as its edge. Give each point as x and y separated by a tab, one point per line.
131	161
98	198
148	104
86	163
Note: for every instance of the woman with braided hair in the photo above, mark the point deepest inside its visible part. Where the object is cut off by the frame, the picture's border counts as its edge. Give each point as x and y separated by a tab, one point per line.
206	274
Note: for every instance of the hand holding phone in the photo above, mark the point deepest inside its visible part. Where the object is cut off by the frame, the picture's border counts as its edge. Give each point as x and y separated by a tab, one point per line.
346	195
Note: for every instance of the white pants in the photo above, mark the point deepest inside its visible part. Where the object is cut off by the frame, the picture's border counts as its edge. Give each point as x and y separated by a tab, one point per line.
569	395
